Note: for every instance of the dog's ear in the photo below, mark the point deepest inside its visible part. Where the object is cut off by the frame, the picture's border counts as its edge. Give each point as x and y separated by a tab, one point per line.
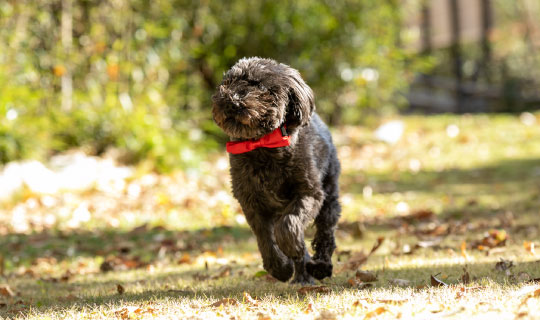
301	105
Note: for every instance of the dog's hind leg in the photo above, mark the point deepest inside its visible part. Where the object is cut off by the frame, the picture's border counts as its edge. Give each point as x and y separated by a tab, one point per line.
274	261
324	242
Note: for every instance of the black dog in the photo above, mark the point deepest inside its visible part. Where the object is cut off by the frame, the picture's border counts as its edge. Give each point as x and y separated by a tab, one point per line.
284	165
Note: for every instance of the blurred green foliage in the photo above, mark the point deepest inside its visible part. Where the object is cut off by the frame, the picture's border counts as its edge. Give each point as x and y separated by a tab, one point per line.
144	71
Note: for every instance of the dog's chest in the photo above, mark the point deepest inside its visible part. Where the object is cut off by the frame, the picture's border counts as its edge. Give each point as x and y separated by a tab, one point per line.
262	182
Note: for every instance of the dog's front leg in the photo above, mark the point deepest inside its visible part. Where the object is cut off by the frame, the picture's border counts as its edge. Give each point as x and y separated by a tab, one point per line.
274	261
289	233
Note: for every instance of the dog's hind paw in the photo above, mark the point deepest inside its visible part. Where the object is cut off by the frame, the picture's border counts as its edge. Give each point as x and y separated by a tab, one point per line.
319	269
303	279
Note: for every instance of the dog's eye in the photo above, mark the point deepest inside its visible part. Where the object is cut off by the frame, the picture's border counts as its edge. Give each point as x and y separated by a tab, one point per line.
262	87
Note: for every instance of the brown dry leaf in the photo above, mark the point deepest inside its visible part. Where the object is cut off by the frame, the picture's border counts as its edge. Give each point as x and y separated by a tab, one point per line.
314	289
249	299
504	265
529	246
355	261
262	316
494	238
223	272
186	258
375	312
120	289
360	303
466	277
376	246
359	258
437	283
420	214
353	282
464	250
6	291
224	302
122	313
366	276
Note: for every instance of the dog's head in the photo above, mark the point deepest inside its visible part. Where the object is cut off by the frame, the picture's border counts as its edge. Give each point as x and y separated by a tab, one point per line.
258	95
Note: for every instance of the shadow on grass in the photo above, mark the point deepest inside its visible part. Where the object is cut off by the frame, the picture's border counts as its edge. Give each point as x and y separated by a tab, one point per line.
142	243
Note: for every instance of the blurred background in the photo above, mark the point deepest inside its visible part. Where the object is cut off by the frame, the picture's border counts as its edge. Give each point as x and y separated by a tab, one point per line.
138	75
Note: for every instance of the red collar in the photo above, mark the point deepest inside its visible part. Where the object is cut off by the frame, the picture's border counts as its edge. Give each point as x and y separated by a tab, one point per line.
275	139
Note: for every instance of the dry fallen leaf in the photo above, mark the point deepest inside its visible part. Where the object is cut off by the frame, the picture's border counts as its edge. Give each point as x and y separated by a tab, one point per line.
375	312
224	302
129	311
504	265
186	258
376	246
6	291
366	276
466	277
249	299
223	272
355	261
464	250
494	238
262	316
313	289
359	258
529	246
356	283
120	289
421	214
437	283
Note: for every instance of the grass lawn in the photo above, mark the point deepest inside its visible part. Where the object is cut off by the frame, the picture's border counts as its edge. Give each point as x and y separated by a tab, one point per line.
454	206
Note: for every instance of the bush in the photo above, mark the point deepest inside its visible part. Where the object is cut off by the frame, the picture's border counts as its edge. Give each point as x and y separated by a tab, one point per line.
143	71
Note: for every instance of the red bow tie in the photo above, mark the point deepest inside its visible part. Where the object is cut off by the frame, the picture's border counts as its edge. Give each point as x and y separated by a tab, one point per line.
275	139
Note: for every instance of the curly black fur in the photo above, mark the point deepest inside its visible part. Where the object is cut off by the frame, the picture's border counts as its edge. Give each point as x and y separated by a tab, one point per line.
281	190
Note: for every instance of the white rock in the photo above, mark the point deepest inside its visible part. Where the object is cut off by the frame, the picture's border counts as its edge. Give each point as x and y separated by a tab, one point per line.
38	178
10	180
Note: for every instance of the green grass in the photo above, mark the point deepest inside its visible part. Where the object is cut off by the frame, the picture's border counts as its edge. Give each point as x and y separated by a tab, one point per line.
181	245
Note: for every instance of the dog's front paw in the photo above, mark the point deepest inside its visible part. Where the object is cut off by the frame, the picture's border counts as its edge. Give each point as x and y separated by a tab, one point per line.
282	272
319	269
